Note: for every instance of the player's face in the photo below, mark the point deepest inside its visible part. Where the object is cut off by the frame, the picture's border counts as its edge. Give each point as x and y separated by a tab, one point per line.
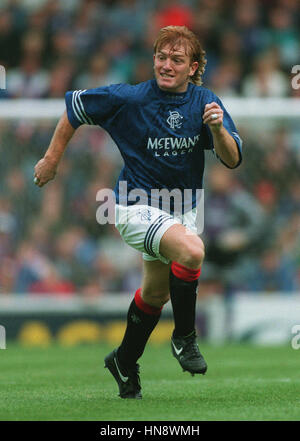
173	68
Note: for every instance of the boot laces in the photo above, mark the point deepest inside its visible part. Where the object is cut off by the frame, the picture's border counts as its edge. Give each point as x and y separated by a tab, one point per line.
191	348
133	375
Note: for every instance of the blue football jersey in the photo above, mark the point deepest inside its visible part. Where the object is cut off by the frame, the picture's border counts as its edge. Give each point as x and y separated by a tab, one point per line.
160	135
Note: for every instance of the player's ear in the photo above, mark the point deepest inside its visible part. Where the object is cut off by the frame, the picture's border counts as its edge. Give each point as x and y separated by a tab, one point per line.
193	67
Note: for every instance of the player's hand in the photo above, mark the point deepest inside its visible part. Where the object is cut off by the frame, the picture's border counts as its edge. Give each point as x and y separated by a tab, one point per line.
44	171
213	116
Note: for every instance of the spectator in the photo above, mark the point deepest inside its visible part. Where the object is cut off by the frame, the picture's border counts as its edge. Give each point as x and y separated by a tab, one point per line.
267	80
247	22
98	74
62	45
273	273
60	79
73	254
173	12
234	225
225	80
8	227
31	266
143	71
28	81
10	40
284	34
52	284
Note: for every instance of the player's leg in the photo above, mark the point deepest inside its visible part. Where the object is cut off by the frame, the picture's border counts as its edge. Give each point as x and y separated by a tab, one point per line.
144	311
142	317
186	251
155	283
180	244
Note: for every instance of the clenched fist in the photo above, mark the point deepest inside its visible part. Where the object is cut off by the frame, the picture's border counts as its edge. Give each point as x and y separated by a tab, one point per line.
44	171
213	116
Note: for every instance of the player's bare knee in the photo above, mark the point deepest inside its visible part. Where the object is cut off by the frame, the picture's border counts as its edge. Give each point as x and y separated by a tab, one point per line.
193	257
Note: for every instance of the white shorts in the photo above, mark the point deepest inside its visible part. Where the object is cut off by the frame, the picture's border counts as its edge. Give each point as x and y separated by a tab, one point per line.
142	227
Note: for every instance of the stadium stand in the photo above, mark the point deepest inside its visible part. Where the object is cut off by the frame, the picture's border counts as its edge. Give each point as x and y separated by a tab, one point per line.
53	243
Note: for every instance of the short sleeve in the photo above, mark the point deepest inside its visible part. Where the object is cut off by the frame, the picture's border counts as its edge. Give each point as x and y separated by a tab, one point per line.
92	106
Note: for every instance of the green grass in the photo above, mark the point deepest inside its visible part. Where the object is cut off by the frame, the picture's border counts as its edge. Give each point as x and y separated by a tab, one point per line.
69	383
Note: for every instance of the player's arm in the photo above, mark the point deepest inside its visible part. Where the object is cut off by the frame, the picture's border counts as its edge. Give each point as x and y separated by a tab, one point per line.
92	107
46	168
224	144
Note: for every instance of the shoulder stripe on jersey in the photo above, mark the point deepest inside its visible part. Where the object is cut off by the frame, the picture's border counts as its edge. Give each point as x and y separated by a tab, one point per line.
82	108
149	237
79	109
74	108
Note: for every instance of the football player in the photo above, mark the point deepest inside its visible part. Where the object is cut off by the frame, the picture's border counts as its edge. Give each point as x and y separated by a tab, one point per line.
162	128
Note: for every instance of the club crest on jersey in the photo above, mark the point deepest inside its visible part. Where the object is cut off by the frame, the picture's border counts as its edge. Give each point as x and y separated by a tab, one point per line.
174	120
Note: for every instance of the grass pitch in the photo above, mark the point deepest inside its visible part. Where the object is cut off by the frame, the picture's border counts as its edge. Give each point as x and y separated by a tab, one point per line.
70	383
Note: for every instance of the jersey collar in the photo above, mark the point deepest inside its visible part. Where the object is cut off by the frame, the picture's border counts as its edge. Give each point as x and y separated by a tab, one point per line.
172	97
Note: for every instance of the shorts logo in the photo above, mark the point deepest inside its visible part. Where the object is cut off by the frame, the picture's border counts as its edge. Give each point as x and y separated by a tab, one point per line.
145	214
174	119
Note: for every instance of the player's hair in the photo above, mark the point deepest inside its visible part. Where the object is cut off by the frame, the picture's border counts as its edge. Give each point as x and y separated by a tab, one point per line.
181	35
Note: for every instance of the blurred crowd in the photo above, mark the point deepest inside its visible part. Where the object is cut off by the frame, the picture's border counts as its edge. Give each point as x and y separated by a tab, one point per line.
50	241
50	46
